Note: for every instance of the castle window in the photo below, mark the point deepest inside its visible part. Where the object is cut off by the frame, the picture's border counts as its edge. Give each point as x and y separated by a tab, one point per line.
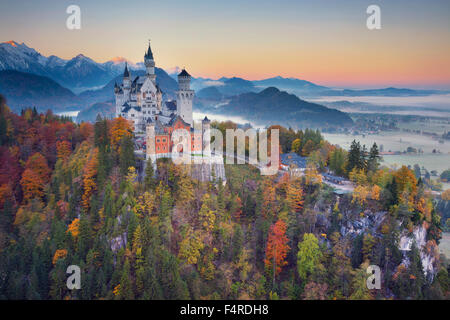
157	140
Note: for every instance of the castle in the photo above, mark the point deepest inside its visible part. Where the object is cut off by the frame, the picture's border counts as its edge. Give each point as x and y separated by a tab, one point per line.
140	100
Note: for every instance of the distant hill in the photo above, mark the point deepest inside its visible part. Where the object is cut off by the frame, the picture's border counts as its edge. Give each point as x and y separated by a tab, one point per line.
210	93
289	84
385	92
272	106
105	109
224	87
23	90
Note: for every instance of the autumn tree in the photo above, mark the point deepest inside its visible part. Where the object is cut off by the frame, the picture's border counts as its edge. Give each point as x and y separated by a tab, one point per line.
64	149
206	215
86	130
74	227
269	199
89	174
360	195
406	184
312	176
295	197
296	146
191	246
32	185
120	128
277	248
308	148
39	165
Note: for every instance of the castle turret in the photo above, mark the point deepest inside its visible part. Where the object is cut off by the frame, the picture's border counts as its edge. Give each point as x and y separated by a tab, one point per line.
185	96
150	64
126	78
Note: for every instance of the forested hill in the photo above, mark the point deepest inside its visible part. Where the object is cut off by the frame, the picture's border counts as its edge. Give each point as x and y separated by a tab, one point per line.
70	195
272	106
25	90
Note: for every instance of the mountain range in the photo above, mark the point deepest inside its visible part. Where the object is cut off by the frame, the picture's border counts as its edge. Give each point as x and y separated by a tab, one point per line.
29	78
77	74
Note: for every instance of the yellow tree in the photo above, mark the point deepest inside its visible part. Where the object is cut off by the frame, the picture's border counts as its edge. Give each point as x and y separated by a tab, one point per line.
375	192
406	184
206	216
312	176
269	199
89	174
120	128
145	204
360	194
295	197
185	188
190	247
296	145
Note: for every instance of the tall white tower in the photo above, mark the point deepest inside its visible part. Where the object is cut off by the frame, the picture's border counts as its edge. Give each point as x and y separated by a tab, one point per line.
126	81
150	64
185	96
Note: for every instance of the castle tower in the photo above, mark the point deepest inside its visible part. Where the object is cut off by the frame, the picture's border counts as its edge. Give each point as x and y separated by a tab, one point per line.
185	96
150	64
126	80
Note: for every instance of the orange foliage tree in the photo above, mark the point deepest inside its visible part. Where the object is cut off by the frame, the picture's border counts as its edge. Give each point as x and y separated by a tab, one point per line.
295	197
38	164
59	254
74	227
86	130
89	174
63	149
120	128
406	182
277	247
32	185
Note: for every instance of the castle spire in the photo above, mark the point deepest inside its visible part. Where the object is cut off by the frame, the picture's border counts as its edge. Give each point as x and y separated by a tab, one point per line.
149	53
126	73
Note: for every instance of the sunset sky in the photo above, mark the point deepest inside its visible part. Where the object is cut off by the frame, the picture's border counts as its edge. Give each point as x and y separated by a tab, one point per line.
323	41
